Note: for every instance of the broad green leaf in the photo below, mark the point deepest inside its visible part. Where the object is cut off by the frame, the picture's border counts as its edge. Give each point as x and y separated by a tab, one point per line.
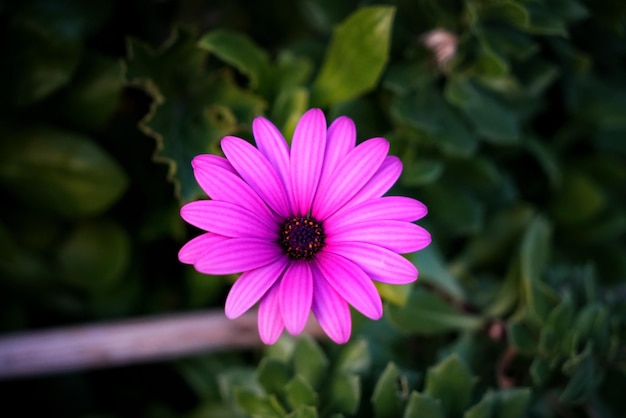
504	11
523	336
273	375
592	325
191	110
427	314
405	78
444	126
423	406
490	117
584	378
556	334
356	56
463	217
258	405
289	106
546	21
505	403
385	398
345	394
579	199
431	267
89	101
94	256
477	172
309	361
299	392
292	71
355	358
422	171
398	295
60	172
541	370
241	52
234	379
500	233
303	411
451	382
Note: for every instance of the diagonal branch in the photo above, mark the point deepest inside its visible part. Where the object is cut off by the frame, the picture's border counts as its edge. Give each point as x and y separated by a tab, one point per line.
125	342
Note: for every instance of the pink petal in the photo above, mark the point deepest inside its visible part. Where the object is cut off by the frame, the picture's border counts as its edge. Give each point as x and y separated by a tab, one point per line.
273	146
350	175
254	168
203	160
379	263
296	296
331	310
191	252
225	184
400	237
396	208
228	219
251	286
238	254
341	139
351	283
270	318
307	158
386	176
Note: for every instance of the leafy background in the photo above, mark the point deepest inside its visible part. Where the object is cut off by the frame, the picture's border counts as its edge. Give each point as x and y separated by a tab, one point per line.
517	145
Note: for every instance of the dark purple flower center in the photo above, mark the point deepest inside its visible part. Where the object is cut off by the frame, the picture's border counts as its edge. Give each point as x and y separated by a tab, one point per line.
301	237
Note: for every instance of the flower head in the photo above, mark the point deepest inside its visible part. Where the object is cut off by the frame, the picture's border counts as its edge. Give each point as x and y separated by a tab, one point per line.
307	225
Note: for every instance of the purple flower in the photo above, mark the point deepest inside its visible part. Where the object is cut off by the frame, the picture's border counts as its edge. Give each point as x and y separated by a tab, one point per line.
307	226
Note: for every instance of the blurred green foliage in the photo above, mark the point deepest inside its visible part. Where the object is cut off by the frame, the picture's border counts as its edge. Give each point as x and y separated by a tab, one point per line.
517	144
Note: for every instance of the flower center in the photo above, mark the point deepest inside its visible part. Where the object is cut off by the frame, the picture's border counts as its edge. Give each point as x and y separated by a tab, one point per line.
301	237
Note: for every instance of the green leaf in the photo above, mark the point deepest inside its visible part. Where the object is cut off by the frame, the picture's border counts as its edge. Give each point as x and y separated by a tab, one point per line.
579	199
90	99
427	314
255	404
491	119
584	378
501	232
292	71
451	382
345	394
60	172
355	358
356	56
541	370
242	53
523	336
432	270
385	398
303	411
273	375
443	125
592	325
398	295
464	216
309	361
299	392
556	334
423	406
422	171
289	106
191	110
505	403
94	256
